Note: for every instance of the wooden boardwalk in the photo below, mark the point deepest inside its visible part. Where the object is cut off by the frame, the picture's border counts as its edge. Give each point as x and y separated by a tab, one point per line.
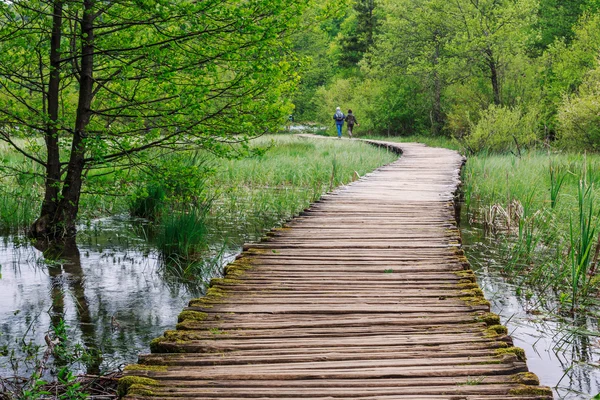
366	295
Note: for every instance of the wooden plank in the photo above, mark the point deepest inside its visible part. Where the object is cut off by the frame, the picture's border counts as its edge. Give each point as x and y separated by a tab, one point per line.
366	295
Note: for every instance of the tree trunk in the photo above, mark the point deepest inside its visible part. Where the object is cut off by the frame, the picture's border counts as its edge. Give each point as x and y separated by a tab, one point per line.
61	223
52	182
494	76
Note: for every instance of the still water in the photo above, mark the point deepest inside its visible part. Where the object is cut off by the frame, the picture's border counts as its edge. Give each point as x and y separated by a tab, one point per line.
565	360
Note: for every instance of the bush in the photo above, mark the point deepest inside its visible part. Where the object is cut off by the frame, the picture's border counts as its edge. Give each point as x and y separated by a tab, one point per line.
579	115
502	129
176	180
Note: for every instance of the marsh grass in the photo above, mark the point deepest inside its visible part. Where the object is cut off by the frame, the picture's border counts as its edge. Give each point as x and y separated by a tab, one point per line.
550	198
250	195
293	173
582	240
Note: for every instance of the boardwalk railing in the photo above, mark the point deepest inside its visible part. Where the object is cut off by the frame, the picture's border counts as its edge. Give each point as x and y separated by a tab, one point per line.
366	295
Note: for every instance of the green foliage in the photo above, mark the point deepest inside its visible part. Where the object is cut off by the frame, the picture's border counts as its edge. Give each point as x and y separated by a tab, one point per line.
58	359
174	180
579	115
90	88
426	72
148	202
557	18
564	66
502	129
357	32
182	235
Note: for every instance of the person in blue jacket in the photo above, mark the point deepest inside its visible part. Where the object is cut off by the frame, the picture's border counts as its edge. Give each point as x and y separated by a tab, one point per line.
339	121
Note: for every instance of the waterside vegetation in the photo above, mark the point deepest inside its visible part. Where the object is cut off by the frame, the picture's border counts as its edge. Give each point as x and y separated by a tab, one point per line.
544	206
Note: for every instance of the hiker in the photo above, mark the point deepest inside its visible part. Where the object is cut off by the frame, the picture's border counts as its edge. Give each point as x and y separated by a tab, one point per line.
351	120
339	121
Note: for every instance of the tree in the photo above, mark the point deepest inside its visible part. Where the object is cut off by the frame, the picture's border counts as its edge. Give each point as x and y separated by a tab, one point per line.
88	86
361	28
412	46
489	33
558	17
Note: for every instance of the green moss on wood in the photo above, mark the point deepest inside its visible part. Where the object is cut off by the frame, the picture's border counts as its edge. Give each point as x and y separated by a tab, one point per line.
224	282
191	316
467	285
216	292
465	276
517	351
129	384
474	292
459	251
186	336
527	390
144	367
205	302
238	267
489	318
164	345
476	301
497	330
526	378
140	390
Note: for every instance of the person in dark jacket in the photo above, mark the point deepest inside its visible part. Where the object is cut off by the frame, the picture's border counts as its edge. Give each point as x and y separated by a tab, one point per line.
351	120
339	118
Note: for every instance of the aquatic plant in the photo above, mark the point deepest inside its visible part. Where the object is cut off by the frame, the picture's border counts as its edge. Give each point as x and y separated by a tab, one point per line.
557	178
181	236
582	240
148	202
554	251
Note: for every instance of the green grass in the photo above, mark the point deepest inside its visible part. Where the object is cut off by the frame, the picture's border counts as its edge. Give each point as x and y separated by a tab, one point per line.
293	173
541	207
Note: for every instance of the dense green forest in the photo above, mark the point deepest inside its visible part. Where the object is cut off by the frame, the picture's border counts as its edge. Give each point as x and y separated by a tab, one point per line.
498	75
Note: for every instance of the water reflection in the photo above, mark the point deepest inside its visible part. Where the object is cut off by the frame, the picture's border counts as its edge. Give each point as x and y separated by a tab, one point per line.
563	358
66	277
108	289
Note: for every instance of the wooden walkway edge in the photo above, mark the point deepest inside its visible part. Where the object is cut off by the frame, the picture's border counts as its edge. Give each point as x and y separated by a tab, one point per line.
366	295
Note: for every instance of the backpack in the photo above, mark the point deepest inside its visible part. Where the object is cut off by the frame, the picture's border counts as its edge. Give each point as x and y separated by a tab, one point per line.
339	116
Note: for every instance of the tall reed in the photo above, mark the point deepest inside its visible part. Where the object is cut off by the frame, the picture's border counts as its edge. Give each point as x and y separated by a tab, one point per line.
555	246
557	178
582	240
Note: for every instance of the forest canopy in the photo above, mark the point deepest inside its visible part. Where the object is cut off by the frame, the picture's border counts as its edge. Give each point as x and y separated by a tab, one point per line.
496	74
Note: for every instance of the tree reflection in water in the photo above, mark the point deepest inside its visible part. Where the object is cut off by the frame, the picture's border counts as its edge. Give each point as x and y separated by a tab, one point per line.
66	275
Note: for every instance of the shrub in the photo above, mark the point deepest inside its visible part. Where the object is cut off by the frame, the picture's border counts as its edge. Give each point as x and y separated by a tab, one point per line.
502	129
579	115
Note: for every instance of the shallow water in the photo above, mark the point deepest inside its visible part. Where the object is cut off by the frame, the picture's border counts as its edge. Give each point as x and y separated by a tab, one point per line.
109	292
567	362
112	289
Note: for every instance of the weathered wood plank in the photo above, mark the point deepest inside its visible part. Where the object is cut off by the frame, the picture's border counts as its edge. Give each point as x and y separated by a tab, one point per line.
366	295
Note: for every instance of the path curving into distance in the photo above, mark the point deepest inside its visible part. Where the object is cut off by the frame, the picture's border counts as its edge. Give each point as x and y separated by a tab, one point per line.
366	295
